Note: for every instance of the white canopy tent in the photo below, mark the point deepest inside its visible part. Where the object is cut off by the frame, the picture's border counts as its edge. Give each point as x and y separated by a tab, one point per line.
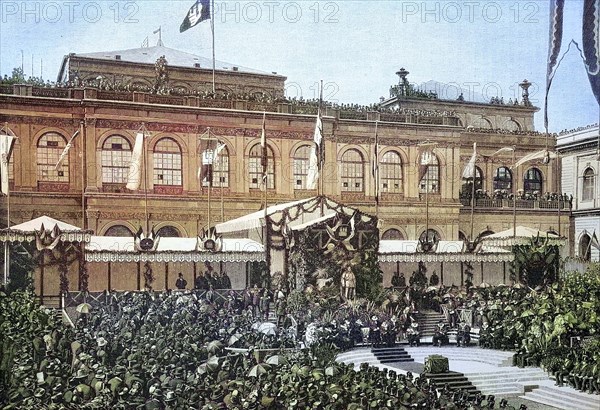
304	213
123	249
446	251
520	236
26	231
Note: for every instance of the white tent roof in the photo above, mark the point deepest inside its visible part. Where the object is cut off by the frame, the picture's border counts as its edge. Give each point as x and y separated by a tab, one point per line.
26	231
446	251
401	246
256	220
45	221
122	249
523	234
397	246
127	244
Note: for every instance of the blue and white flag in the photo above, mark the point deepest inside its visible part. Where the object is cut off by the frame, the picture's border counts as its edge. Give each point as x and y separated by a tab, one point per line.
199	12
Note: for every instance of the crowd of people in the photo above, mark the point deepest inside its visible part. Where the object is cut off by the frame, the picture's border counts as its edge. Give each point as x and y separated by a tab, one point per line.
186	349
175	350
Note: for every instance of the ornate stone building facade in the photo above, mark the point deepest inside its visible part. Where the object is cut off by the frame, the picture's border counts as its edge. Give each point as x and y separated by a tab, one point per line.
580	165
88	189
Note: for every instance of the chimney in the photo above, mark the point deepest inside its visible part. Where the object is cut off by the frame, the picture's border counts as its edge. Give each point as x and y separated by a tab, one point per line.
235	68
118	57
196	65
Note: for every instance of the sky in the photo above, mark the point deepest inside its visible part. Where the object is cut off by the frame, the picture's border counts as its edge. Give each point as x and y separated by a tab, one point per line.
355	47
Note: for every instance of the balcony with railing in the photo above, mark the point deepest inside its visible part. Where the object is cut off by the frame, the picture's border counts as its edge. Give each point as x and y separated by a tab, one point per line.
548	201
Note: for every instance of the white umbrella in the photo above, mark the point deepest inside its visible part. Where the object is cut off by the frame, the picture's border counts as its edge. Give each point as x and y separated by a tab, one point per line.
84	308
267	328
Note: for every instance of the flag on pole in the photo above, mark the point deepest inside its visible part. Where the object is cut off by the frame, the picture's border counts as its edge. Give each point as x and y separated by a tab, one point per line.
591	43
554	43
375	164
6	146
594	241
134	177
544	154
65	152
425	155
263	150
199	12
315	161
501	150
209	156
469	171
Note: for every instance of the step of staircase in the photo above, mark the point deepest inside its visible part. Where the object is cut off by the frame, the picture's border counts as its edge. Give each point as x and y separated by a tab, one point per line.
428	322
564	397
391	354
454	380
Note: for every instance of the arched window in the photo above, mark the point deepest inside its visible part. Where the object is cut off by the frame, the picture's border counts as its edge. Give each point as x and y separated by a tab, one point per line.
462	236
353	171
49	148
589	180
255	167
168	232
301	164
482	123
512	125
221	169
429	170
503	179
392	234
432	235
532	181
118	230
167	163
390	173
584	247
116	154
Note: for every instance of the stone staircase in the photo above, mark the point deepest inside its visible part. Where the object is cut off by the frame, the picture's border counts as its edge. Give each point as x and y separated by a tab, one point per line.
428	321
454	380
387	355
507	380
565	397
377	357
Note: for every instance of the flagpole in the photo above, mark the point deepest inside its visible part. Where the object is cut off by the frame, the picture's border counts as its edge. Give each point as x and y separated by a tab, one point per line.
212	29
6	247
82	131
514	193
209	172
473	197
427	204
221	186
376	165
321	155
558	188
145	151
